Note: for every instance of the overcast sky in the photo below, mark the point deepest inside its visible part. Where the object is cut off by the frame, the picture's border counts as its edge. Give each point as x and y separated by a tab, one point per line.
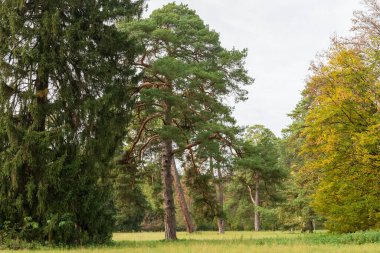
282	37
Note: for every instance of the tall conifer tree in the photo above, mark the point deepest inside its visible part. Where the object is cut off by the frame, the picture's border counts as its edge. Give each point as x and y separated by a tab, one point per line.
187	76
64	78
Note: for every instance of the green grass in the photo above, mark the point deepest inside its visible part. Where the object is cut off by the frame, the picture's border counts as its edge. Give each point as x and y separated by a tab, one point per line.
235	242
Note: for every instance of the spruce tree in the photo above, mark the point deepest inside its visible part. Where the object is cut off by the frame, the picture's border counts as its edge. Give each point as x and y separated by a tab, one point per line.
64	78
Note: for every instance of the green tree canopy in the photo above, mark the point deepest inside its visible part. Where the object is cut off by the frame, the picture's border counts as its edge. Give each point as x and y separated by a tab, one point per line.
258	167
65	73
187	76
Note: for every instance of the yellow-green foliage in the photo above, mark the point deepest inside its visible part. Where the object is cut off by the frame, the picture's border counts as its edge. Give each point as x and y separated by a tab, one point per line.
342	141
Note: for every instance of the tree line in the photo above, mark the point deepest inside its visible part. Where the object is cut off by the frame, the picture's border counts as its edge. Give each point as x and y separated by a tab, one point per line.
110	121
335	132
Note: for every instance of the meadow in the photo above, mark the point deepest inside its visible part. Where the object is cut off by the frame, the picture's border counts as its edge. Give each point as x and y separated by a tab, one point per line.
233	242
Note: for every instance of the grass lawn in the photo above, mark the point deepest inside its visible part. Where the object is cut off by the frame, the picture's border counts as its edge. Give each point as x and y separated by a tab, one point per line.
235	242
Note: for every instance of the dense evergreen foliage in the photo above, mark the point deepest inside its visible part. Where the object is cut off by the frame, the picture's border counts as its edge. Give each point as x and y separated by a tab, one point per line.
64	78
130	202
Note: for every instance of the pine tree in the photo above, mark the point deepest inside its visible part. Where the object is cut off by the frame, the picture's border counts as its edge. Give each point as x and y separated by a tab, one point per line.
187	75
259	167
65	75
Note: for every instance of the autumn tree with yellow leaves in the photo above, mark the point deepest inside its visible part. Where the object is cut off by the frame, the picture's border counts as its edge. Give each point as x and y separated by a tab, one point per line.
341	139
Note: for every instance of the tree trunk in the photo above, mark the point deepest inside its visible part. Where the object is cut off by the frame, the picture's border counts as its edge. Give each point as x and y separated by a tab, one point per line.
220	191
218	194
310	226
42	90
257	202
181	199
167	182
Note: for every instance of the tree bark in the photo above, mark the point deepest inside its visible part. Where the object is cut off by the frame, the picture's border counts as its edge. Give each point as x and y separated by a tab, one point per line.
167	182
218	195
181	198
310	226
220	191
257	202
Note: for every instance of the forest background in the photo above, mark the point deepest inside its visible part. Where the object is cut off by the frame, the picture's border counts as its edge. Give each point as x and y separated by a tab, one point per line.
114	122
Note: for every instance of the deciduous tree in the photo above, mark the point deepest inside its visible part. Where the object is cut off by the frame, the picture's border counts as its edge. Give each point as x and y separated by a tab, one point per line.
342	141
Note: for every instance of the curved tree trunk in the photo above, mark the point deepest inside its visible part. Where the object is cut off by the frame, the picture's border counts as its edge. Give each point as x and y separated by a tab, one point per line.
256	201
181	198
